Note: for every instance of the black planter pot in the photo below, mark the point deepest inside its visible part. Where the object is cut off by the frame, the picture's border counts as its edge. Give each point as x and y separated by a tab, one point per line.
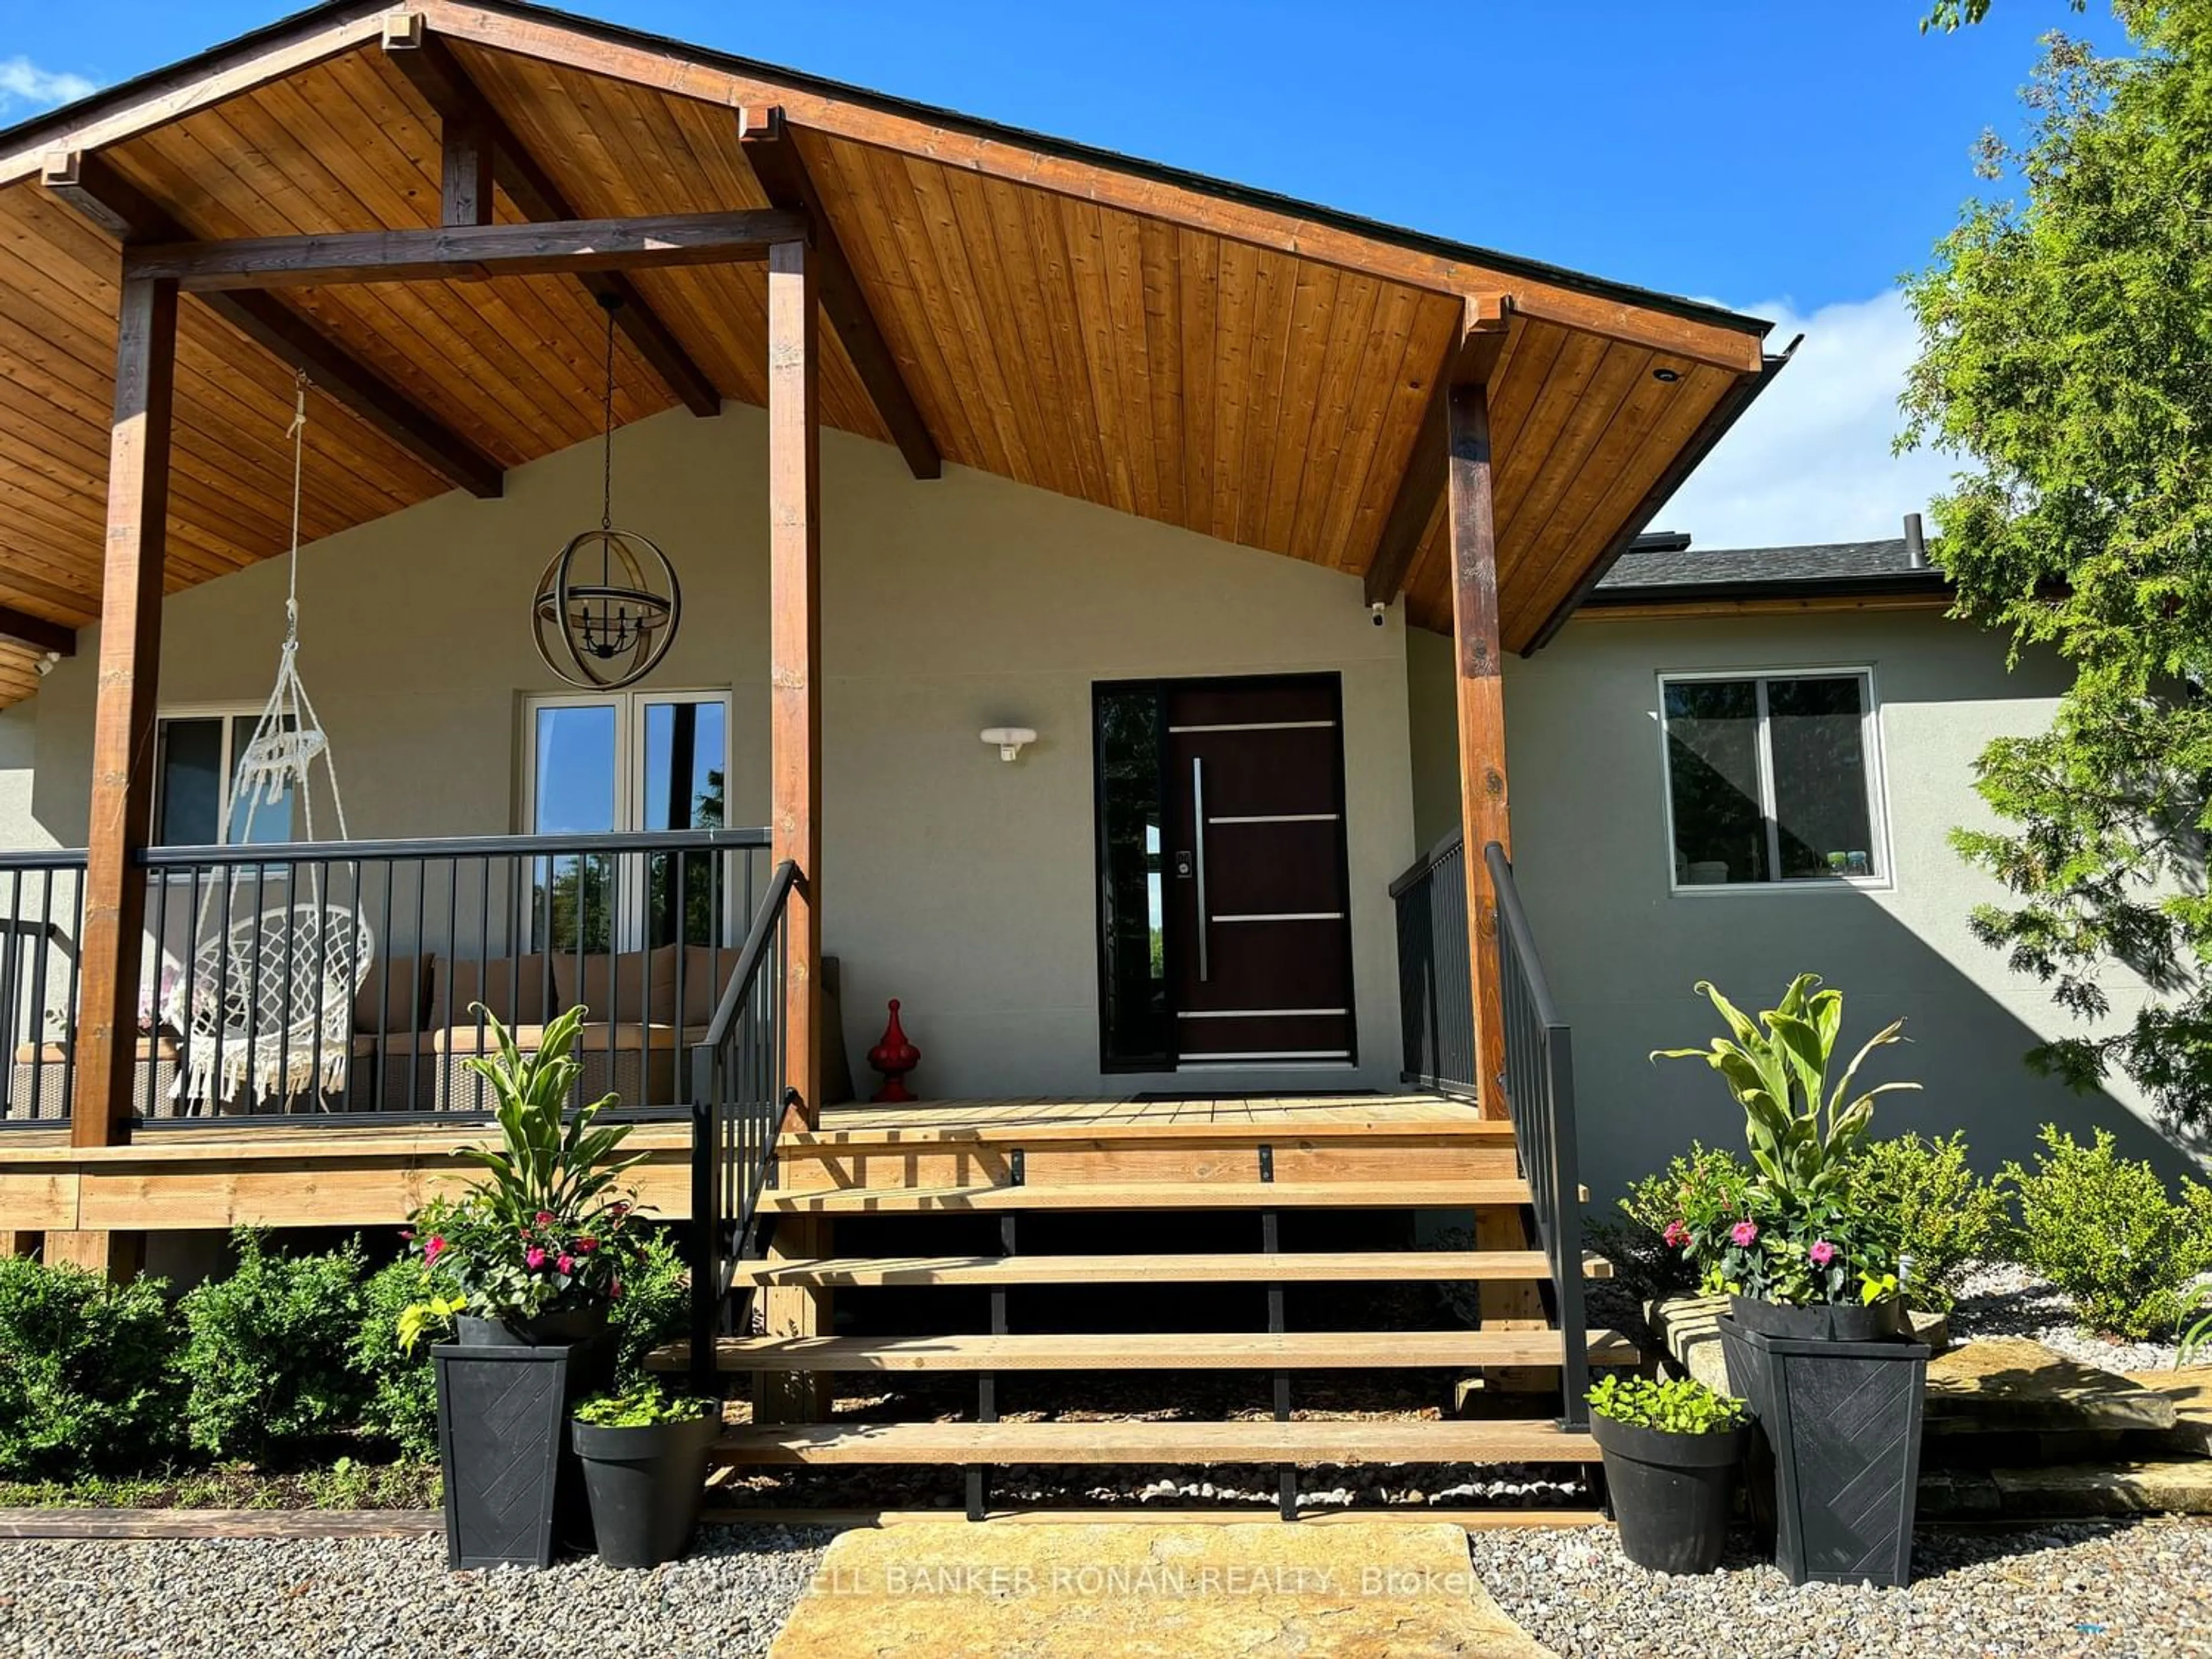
647	1487
1842	1322
1670	1493
1835	1460
514	1491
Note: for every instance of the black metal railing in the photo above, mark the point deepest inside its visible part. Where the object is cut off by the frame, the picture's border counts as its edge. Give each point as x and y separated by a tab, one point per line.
41	919
1537	1080
737	1099
1436	1005
356	977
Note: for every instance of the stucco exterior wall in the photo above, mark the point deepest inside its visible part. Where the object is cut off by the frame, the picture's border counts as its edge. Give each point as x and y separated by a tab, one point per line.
958	883
1584	753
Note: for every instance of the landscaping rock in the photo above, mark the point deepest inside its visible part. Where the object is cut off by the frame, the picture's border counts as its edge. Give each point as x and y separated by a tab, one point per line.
2191	1390
1186	1591
2075	1490
1688	1329
2011	1385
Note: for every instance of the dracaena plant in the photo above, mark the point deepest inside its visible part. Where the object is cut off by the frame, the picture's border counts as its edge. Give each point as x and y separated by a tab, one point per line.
545	1229
1796	1233
1801	1133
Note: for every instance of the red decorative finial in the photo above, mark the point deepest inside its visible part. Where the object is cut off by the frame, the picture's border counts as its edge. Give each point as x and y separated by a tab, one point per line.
894	1057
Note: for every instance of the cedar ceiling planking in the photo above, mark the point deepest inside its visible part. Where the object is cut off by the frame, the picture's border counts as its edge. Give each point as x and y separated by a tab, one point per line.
1198	296
1405	403
1350	324
1384	360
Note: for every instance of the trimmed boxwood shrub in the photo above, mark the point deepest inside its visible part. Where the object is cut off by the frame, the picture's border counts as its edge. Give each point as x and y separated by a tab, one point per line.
1945	1214
401	1403
655	1308
267	1352
87	1372
2102	1229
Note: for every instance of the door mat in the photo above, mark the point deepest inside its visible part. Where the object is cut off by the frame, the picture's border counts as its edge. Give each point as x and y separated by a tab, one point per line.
1151	1592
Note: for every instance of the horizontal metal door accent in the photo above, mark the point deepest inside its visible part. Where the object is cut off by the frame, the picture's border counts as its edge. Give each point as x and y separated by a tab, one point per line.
1260	1014
1255	726
1282	818
1288	915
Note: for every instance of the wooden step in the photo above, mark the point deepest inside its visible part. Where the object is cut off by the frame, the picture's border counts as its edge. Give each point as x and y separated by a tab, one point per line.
1344	1444
1148	1514
1290	1266
1420	1194
1131	1351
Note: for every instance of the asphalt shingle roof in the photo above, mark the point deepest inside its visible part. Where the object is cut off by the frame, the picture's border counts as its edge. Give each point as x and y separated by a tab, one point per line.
1828	561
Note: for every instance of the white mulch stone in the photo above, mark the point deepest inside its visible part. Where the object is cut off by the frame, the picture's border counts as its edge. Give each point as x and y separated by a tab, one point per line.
2003	1298
391	1599
2111	1591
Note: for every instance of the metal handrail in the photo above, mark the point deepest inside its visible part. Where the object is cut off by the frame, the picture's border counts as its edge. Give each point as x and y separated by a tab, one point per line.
737	1097
449	846
1536	1078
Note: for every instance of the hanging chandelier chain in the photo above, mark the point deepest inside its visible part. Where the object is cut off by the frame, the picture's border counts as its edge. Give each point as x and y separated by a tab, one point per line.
607	435
299	436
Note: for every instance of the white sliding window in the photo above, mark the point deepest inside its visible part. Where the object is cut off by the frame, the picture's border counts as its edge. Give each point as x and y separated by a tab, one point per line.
1772	778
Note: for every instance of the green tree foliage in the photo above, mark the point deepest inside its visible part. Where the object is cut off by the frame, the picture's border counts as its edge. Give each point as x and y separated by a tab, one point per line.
2066	359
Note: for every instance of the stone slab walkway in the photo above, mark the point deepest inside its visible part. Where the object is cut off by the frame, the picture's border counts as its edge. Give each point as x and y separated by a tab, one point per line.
1360	1591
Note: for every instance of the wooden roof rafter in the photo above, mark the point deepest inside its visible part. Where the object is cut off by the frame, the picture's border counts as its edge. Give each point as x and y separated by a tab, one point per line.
92	187
774	156
480	142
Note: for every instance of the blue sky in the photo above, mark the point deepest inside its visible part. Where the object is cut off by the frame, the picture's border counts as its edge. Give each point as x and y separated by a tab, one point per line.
1791	160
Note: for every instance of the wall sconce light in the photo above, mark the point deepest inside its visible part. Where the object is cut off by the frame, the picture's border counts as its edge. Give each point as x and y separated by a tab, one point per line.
1011	740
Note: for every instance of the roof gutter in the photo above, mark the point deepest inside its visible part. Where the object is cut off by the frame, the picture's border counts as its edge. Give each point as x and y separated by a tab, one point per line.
1722	415
1893	584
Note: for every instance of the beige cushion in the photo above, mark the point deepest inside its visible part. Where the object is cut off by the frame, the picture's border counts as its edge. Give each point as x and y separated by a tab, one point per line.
466	1039
395	996
513	988
617	987
54	1055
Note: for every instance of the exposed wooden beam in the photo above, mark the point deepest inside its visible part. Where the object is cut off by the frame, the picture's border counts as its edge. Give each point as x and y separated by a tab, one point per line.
465	111
37	632
466	153
466	252
776	163
1470	360
123	713
95	188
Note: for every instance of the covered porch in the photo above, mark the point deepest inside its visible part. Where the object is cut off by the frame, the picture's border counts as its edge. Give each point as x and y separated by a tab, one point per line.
420	211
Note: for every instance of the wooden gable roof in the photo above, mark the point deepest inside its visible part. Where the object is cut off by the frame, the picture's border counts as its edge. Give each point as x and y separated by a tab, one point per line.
1246	366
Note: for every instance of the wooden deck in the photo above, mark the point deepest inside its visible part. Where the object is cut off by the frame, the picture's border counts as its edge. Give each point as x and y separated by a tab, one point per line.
330	1171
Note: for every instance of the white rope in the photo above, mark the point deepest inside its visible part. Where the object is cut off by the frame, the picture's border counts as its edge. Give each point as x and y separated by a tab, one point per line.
303	962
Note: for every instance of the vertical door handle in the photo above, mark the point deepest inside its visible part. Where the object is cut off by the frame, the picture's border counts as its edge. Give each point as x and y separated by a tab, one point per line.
1198	841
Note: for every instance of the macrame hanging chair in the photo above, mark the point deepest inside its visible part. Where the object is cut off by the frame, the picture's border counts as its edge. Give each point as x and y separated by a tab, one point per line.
267	1007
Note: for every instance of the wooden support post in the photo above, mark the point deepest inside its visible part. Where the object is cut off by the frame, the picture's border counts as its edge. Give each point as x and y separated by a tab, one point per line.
123	714
467	146
111	1255
1470	524
794	504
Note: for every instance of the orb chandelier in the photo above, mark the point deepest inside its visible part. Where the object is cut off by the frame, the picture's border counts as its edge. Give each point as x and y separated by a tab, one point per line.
608	605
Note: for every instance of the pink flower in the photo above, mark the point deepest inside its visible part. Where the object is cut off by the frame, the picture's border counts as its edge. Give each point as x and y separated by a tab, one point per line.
1822	1253
567	1264
614	1291
534	1258
1676	1235
544	1217
1745	1232
433	1249
585	1246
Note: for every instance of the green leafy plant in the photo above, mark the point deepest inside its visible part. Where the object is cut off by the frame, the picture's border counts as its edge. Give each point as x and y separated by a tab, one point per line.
1795	1233
402	1386
1695	1191
87	1372
2195	1345
267	1352
655	1306
2103	1229
1677	1406
1946	1215
544	1230
1802	1133
642	1407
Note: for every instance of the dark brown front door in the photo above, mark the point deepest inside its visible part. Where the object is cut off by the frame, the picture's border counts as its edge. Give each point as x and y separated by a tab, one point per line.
1257	900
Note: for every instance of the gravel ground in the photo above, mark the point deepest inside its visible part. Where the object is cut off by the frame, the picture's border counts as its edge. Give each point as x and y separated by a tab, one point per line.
2105	1590
390	1598
2001	1298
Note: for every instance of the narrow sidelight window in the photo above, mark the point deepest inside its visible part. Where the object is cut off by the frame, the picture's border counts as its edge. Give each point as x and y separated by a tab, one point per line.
1772	778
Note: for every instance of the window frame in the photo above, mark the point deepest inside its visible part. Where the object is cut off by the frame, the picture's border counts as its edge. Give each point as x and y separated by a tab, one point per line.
1884	878
228	714
630	733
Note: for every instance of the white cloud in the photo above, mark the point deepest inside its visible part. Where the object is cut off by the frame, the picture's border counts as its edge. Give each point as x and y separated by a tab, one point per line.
1810	461
22	81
